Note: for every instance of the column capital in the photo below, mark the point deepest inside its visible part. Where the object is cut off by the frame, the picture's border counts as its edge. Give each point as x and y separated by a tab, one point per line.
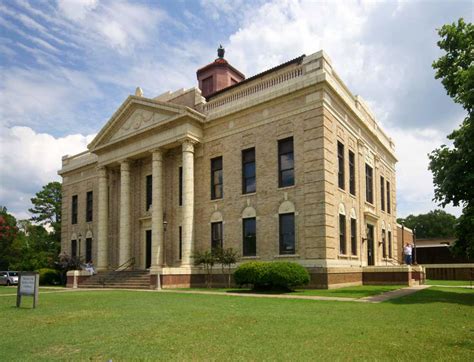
188	145
125	165
156	154
102	171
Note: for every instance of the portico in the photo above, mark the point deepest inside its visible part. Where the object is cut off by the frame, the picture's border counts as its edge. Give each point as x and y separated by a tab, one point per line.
181	130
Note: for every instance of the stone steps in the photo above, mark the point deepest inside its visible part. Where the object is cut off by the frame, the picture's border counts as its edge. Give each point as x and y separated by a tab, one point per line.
133	279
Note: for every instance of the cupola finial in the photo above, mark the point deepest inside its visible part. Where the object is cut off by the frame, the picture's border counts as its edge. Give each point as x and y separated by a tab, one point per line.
220	51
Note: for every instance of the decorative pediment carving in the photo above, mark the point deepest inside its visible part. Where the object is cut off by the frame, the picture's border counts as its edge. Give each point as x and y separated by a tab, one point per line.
138	115
138	120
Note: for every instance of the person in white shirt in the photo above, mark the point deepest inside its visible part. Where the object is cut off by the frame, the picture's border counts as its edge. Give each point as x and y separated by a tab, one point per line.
407	251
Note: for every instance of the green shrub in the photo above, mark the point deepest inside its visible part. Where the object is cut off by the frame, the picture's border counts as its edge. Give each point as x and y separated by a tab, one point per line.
49	276
281	275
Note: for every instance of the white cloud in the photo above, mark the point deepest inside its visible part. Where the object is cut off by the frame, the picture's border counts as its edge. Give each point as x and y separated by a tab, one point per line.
27	96
414	179
29	160
76	9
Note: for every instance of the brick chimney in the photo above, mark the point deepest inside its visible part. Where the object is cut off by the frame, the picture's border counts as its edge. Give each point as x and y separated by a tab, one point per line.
218	75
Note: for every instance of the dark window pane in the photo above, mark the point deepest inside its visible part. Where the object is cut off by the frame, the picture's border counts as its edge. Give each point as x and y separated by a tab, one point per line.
88	250
286	163
287	178
382	193
287	234
180	186
74	210
389	244
149	191
384	244
216	178
352	186
342	234
73	248
180	243
354	236
89	206
389	204
369	188
216	235
340	158
249	237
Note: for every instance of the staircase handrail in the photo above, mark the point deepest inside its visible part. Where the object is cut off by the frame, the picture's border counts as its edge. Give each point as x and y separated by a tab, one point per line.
109	275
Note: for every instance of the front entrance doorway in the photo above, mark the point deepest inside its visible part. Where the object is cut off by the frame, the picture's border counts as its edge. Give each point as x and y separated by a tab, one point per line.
148	249
370	245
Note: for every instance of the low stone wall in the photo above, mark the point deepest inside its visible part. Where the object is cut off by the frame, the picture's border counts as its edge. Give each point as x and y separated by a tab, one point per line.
76	277
450	271
403	275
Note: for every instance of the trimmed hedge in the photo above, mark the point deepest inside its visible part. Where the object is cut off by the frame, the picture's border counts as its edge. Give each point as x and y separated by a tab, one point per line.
49	276
271	275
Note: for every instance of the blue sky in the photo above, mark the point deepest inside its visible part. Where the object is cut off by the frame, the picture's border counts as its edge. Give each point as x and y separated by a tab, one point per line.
65	67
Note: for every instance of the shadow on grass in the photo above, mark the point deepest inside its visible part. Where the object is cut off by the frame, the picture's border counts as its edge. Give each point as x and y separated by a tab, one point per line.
435	295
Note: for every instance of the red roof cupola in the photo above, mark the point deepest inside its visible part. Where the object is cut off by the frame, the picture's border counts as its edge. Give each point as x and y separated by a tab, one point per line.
218	75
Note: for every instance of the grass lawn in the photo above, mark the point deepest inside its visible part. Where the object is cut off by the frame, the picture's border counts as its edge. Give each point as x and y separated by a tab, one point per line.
12	289
449	282
349	292
433	324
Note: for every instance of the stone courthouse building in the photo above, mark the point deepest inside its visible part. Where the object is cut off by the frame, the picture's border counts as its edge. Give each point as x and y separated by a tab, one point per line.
285	165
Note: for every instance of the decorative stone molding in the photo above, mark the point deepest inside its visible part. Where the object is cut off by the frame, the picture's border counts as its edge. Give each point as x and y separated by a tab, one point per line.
216	217
249	212
286	207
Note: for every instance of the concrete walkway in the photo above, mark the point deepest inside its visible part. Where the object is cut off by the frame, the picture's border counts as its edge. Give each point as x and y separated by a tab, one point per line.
393	294
255	295
372	299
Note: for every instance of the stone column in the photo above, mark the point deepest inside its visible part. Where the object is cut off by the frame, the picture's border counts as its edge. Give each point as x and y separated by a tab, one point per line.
103	221
125	215
157	210
188	203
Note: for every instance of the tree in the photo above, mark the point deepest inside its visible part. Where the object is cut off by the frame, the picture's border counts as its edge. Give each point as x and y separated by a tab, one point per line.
47	207
207	259
8	233
453	167
435	224
227	258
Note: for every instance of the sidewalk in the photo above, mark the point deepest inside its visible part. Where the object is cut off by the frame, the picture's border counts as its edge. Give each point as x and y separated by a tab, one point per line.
393	294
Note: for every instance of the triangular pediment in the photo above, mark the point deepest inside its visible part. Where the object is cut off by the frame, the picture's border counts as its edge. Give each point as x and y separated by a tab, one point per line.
135	116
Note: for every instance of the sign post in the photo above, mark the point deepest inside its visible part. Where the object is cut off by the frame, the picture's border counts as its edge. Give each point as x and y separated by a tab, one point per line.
28	284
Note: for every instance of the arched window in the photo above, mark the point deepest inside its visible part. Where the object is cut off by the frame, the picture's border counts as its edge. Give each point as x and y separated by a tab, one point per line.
286	218
249	232
353	232
342	230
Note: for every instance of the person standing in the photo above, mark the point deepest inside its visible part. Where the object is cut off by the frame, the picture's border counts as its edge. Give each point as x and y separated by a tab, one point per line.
407	251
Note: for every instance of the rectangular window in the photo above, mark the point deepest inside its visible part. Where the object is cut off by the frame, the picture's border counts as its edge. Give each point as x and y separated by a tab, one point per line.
287	234
352	178
149	191
249	237
74	210
73	248
89	206
384	244
382	193
342	234
286	164
88	250
180	185
390	244
216	178
389	205
180	247
248	171
369	187
207	85
216	235
340	160
354	236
